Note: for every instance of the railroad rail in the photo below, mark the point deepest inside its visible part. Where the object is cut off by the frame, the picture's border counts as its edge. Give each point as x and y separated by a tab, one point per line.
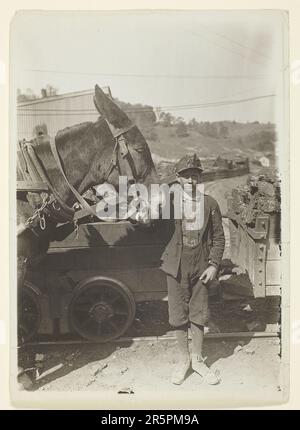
211	336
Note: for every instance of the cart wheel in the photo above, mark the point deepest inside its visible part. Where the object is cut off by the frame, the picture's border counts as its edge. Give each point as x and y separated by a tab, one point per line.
102	309
29	313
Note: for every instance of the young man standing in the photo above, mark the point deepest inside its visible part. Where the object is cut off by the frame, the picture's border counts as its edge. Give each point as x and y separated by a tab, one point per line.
191	260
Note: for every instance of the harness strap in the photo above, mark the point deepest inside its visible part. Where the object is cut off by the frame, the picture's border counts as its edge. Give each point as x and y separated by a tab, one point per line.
120	140
30	166
121	131
113	162
126	156
82	213
36	179
81	200
21	165
67	211
37	164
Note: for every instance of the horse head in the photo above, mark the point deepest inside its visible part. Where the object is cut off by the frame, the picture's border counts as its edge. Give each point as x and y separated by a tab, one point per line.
135	159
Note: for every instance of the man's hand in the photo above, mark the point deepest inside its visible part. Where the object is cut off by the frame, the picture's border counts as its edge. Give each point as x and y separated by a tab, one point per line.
209	274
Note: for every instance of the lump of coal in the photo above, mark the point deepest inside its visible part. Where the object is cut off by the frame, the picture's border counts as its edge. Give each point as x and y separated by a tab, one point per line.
260	196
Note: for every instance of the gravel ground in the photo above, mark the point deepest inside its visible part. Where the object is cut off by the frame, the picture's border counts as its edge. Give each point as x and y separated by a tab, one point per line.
245	366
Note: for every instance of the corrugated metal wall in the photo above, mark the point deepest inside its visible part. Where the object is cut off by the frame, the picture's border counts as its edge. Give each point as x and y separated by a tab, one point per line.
56	112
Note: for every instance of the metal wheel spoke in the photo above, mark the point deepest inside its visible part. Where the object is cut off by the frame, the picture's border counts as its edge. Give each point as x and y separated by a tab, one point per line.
120	312
114	299
87	299
99	329
112	324
97	296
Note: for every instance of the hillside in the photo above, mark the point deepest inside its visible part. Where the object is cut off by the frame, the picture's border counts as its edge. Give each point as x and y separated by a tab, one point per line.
170	146
170	138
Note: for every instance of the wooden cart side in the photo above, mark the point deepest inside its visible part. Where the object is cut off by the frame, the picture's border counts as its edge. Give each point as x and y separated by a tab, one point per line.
258	253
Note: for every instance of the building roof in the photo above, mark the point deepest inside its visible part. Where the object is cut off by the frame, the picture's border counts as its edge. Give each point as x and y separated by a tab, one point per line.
62	96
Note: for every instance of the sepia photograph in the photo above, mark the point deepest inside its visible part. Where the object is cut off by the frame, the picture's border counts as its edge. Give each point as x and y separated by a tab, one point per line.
149	213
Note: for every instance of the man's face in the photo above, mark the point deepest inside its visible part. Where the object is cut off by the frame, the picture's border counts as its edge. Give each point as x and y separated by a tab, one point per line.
190	176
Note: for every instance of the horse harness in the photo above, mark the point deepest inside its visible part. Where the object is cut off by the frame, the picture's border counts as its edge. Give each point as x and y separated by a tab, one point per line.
35	179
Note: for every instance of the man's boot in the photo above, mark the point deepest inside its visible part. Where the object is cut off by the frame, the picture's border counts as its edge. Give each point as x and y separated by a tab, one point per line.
203	370
181	370
184	363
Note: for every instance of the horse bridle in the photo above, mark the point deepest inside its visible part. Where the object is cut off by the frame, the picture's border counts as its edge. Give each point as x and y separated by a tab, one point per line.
67	213
122	145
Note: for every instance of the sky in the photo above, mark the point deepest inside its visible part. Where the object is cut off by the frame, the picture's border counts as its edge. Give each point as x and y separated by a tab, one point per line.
181	61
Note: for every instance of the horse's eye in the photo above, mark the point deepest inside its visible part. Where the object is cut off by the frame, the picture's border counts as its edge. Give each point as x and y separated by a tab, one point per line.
139	148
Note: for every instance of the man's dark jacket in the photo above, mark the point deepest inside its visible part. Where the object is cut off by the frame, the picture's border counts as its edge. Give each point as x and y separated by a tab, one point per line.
211	237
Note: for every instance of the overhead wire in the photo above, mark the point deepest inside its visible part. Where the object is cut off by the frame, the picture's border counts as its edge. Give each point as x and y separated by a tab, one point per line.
175	108
165	76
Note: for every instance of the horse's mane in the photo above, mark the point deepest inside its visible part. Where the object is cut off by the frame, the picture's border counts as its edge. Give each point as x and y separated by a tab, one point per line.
74	132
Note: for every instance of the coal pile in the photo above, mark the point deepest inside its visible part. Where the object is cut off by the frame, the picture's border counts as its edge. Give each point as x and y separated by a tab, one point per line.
260	196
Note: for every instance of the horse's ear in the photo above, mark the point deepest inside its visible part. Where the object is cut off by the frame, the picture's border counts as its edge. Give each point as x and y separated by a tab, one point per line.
110	110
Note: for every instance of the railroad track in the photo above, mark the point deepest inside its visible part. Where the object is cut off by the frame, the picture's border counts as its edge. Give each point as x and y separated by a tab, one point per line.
212	336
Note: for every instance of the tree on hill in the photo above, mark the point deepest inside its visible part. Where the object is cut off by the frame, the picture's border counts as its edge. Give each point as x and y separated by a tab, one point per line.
224	132
178	120
193	124
266	141
181	129
142	115
166	119
209	129
263	140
